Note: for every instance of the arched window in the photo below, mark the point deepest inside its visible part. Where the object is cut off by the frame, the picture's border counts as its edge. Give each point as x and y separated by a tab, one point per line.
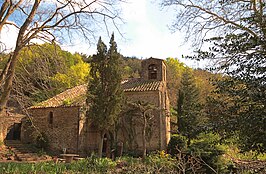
152	71
51	118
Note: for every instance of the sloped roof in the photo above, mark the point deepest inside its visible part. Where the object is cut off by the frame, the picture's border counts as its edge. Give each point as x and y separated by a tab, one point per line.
138	84
72	97
77	96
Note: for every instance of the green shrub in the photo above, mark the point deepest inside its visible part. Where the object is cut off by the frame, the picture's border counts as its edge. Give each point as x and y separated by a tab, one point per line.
177	142
160	161
42	141
129	160
262	156
207	147
156	162
101	164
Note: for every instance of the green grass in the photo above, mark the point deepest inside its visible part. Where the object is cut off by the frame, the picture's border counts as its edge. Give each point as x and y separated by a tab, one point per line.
154	163
158	162
89	165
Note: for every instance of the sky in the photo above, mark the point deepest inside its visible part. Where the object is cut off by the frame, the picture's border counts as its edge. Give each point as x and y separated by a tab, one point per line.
145	33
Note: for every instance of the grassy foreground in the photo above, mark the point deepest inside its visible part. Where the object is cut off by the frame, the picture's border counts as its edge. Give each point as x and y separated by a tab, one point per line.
155	163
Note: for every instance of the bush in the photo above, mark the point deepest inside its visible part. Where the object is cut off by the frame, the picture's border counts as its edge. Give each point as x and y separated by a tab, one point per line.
204	153
155	162
160	160
207	147
101	165
42	141
177	142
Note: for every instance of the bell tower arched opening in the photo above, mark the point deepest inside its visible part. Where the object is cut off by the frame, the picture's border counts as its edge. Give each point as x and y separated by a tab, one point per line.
152	72
153	69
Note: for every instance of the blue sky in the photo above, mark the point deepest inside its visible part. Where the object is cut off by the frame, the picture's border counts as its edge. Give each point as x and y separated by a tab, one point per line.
145	34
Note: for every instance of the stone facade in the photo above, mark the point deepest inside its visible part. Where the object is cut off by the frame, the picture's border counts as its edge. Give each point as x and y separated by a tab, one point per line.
67	126
160	122
59	124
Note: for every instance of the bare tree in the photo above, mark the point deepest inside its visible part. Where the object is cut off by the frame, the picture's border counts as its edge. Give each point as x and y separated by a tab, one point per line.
50	20
8	8
237	37
142	111
217	17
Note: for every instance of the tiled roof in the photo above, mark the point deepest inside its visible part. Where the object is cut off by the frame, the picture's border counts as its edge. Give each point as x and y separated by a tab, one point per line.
138	84
77	96
72	97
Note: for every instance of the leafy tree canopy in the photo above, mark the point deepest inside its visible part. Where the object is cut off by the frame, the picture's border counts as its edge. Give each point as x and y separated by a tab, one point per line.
45	70
104	95
104	88
236	34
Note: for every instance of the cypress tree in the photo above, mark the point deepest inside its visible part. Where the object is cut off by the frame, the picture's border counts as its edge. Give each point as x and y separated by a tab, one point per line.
188	106
104	89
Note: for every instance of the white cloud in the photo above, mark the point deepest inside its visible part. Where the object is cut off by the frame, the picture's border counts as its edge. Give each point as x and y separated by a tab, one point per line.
145	34
148	33
8	37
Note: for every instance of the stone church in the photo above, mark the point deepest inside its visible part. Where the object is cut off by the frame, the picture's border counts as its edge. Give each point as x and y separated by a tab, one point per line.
62	118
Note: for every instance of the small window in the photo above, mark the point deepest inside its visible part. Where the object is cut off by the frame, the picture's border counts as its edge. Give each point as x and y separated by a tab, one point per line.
51	118
152	71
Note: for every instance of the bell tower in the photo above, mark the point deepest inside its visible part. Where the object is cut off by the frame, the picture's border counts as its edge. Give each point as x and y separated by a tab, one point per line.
153	69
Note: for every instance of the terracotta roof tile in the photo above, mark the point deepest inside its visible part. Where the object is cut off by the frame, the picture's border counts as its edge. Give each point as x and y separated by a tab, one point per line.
77	96
71	97
140	85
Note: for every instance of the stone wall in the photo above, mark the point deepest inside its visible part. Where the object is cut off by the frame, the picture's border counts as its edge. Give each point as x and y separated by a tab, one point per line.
159	130
89	137
60	125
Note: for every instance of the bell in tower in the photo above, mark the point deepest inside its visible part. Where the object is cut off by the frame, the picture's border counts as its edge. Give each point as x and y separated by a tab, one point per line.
153	69
152	74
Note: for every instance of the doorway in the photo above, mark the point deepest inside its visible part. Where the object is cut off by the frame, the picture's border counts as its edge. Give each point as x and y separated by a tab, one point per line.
14	132
105	145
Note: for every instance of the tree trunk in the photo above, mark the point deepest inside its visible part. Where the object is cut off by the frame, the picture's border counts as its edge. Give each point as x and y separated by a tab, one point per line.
100	147
6	10
3	14
4	72
120	149
144	149
8	82
108	145
20	43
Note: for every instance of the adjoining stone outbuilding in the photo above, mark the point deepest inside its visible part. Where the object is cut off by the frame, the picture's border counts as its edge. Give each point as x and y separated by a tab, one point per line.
10	126
62	118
